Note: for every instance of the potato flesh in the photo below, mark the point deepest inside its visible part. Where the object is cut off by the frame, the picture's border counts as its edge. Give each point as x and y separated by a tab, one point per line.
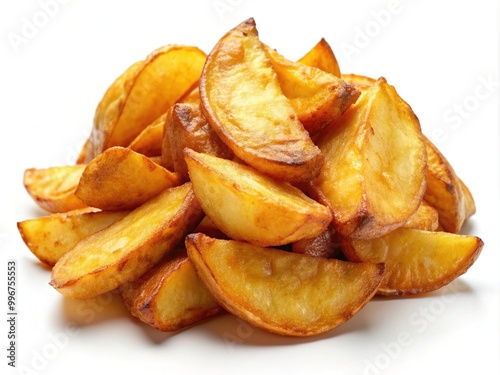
122	179
185	126
445	191
141	94
53	189
149	141
374	173
249	206
361	82
321	56
242	99
324	245
425	218
469	203
128	248
50	237
401	174
417	261
285	293
318	98
170	296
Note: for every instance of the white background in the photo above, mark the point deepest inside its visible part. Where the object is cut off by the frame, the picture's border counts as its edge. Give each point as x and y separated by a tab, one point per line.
442	57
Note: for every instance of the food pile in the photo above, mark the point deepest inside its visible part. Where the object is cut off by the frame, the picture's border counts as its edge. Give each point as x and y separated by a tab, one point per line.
284	192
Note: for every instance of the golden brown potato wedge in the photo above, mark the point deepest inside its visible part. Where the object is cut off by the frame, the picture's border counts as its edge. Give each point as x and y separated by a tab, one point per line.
318	98
417	261
122	179
249	206
141	94
321	56
170	296
362	83
187	127
193	97
50	237
128	248
207	227
149	141
469	204
445	191
243	102
375	165
53	189
425	218
323	245
281	292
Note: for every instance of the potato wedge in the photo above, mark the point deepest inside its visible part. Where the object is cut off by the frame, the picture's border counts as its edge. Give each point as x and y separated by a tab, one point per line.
362	83
323	245
321	56
469	204
417	261
149	141
243	102
193	97
249	206
281	292
50	237
445	191
122	179
141	94
375	165
207	227
53	189
318	98
170	296
425	218
128	248
185	126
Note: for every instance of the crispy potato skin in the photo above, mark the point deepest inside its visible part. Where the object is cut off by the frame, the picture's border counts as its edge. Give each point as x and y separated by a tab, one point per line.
362	83
318	98
53	189
249	206
186	127
425	218
287	193
170	296
50	237
139	96
281	292
323	245
374	175
122	179
445	191
128	248
243	102
417	261
149	141
321	56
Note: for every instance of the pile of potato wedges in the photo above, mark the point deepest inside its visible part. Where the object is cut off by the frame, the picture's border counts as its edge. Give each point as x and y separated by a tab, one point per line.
284	192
